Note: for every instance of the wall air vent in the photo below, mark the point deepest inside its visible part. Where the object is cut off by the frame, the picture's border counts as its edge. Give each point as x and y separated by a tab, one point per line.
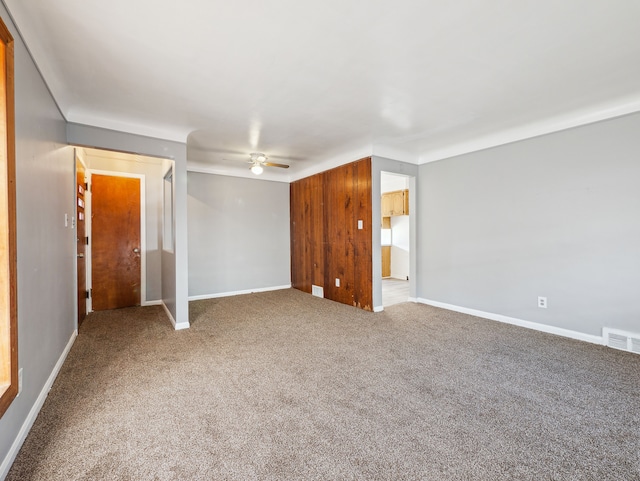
317	291
626	341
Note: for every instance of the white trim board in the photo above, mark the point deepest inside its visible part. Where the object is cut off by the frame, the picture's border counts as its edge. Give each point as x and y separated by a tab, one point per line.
381	308
552	125
79	157
559	331
238	293
176	325
151	303
35	409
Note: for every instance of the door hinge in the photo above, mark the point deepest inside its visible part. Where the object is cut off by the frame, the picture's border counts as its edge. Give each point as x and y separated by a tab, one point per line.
88	294
86	240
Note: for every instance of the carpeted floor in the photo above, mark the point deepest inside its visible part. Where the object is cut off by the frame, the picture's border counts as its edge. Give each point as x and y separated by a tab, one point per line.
282	385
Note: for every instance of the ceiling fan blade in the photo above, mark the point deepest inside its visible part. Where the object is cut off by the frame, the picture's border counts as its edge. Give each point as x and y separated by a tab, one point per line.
271	164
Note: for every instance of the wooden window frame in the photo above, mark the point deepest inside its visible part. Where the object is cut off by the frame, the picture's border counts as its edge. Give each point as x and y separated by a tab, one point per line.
8	261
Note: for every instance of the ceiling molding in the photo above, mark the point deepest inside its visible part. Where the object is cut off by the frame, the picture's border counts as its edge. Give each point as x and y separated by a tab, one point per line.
154	131
337	160
549	126
418	84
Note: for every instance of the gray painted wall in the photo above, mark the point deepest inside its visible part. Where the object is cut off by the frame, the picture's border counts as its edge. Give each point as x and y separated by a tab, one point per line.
46	248
174	264
153	172
238	234
555	216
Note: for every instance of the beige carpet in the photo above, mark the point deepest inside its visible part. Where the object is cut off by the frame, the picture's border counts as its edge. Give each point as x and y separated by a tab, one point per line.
283	385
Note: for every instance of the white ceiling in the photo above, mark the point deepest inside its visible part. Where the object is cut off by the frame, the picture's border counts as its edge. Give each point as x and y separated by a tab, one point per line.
334	80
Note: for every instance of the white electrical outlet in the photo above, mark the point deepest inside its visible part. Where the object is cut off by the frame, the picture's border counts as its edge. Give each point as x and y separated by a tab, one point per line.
337	282
542	302
66	220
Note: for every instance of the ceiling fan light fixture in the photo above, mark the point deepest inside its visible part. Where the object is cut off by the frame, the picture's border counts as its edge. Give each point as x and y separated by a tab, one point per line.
258	157
257	169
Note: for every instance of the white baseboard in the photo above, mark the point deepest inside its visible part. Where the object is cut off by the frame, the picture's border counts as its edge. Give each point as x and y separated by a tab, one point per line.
152	303
35	409
381	308
580	336
237	293
176	325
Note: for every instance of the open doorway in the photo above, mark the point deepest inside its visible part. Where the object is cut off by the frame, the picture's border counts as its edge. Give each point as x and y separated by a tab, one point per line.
147	175
395	237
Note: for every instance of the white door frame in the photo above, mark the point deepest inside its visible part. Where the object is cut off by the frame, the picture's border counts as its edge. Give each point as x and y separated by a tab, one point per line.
79	157
412	235
378	166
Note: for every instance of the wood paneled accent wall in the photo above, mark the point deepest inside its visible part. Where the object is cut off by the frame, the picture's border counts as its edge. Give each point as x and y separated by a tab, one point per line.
325	240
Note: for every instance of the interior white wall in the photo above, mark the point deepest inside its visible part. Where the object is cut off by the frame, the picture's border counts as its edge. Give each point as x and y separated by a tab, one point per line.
46	248
238	234
554	216
152	170
174	264
392	182
400	245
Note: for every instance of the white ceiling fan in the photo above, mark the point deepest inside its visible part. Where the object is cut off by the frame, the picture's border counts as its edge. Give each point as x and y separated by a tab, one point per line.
258	162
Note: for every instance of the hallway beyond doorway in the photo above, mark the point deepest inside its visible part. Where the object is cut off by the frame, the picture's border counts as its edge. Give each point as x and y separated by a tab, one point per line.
394	291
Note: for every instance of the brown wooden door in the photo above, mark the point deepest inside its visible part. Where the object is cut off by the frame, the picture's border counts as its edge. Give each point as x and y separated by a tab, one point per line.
81	241
115	243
